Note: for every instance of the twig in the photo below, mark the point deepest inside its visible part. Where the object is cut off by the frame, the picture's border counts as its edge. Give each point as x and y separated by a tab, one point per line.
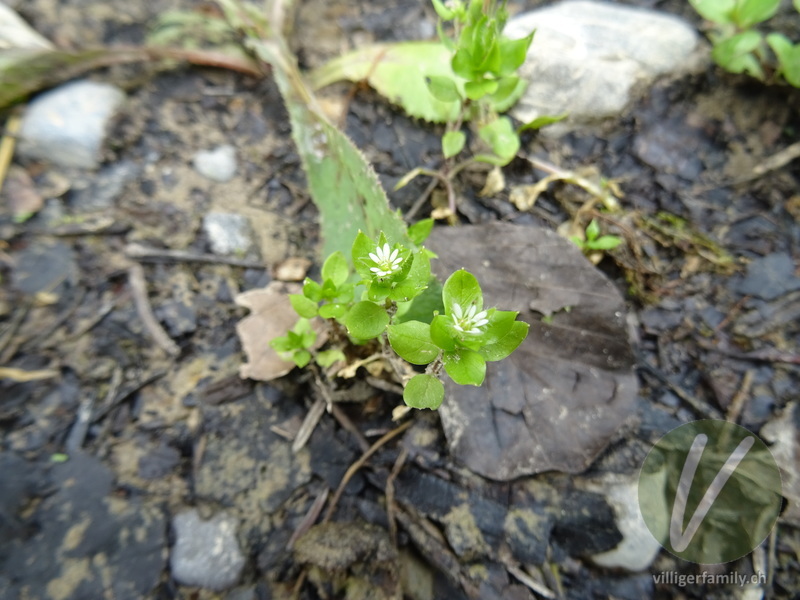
348	425
737	403
360	463
124	394
769	164
390	505
145	254
309	424
308	520
7	143
420	201
139	290
7	348
77	434
527	580
696	404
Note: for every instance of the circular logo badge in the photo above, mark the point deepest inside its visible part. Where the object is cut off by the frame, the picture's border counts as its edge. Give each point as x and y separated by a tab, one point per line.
710	491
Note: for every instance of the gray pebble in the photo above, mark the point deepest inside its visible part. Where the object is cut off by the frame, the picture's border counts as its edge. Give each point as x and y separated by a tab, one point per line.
66	126
228	233
206	553
218	164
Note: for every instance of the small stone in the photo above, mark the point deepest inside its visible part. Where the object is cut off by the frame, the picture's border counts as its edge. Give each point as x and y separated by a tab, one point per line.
770	277
586	58
66	126
218	164
206	553
228	233
292	269
638	548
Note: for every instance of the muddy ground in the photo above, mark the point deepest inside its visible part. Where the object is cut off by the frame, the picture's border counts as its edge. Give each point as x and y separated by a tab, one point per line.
170	432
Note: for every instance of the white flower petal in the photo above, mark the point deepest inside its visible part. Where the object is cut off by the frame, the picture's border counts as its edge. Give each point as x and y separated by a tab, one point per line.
456	308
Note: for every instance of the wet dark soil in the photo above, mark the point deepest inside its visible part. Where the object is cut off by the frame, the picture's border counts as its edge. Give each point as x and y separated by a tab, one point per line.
710	284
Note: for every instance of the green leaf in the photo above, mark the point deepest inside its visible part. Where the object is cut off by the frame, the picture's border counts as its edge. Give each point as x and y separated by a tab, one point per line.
605	242
424	391
282	344
366	320
751	12
501	137
342	183
442	332
462	288
540	122
476	90
327	357
412	342
735	54
423	307
506	344
303	306
453	143
332	311
500	323
335	268
719	11
465	367
312	290
419	231
398	72
301	358
445	14
416	281
513	53
788	57
463	64
592	230
443	88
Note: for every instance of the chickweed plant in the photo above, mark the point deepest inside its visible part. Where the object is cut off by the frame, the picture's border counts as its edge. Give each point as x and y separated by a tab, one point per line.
390	277
739	48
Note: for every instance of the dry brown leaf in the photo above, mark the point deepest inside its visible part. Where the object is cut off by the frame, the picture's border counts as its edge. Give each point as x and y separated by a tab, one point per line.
271	316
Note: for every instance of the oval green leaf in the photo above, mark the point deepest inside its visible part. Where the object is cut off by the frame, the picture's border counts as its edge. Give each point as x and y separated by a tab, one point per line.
366	320
303	306
453	143
424	391
462	288
412	342
465	367
335	268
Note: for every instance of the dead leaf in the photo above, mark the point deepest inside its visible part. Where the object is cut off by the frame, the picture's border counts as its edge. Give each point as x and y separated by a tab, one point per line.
562	397
271	316
292	269
22	198
495	183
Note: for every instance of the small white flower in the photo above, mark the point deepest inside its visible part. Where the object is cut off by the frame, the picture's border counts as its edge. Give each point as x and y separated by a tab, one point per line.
386	259
468	321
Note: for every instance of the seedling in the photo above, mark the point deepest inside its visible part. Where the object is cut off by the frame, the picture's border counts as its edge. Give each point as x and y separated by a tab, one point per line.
739	48
459	337
594	242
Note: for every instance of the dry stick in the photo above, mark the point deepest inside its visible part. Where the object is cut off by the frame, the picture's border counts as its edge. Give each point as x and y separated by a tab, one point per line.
529	581
390	505
348	425
7	349
145	254
360	463
769	164
308	520
737	403
77	434
13	125
139	290
309	424
704	409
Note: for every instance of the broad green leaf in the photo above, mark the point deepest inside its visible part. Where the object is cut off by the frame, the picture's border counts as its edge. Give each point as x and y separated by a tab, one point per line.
301	358
416	281
424	391
462	288
719	11
797	5
463	64
419	231
501	137
307	335
500	323
465	367
442	332
735	54
509	90
335	268
332	311
412	342
751	12
312	290
327	357
282	344
423	307
540	122
788	57
342	183
362	246
476	90
513	53
453	143
443	88
506	344
605	242
398	72
366	320
303	306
